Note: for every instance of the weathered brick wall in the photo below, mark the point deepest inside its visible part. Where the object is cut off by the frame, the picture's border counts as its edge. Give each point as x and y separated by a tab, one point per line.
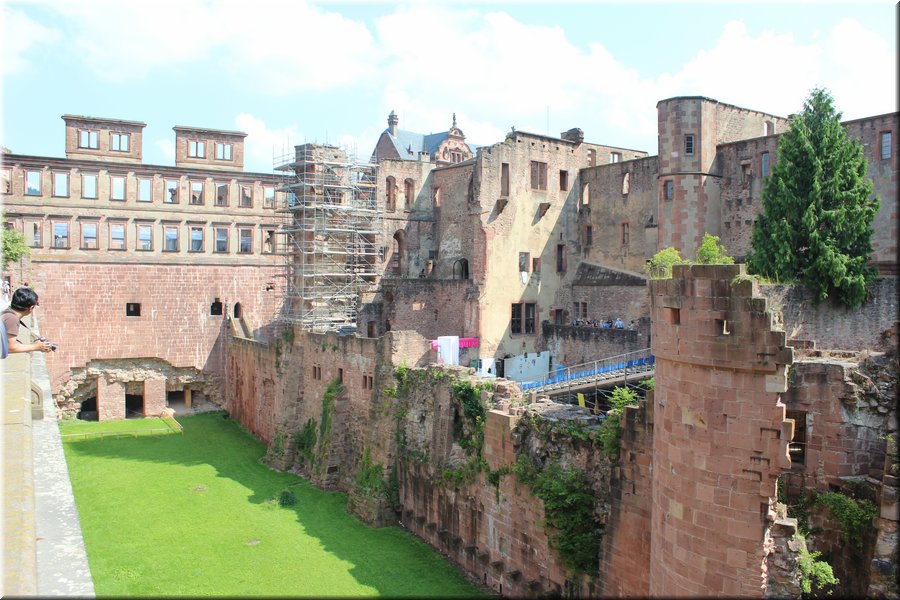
611	205
883	173
741	194
625	554
83	309
720	436
431	307
832	326
456	236
574	345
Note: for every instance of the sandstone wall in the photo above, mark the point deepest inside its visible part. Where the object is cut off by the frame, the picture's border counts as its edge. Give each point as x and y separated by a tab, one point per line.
83	307
720	436
833	326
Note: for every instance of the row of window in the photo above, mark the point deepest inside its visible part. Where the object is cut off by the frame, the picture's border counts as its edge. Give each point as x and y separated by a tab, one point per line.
197	149
119	186
172	234
538	178
526	261
89	139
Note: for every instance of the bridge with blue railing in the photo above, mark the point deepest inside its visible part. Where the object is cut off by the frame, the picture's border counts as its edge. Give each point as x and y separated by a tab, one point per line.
614	370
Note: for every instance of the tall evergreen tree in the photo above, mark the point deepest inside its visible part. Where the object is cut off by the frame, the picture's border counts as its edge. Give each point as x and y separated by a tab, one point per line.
818	208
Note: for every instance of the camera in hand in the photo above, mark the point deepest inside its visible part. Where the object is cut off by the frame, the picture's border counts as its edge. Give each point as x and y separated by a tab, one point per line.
53	346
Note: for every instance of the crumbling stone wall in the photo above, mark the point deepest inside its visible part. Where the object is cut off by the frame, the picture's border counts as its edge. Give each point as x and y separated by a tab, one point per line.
614	195
834	327
720	436
431	307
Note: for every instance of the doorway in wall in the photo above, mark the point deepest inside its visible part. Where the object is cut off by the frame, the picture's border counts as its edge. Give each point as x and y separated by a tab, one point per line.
88	410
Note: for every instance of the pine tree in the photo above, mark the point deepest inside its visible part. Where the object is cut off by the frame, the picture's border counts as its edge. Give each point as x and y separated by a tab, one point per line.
818	208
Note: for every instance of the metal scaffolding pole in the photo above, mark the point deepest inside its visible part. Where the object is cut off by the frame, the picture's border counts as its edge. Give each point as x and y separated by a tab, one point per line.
329	239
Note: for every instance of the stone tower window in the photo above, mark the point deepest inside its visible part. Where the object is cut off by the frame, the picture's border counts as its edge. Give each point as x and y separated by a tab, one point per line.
689	144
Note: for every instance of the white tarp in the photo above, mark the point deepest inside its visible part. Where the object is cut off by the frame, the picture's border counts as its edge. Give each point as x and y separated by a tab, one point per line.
528	367
448	350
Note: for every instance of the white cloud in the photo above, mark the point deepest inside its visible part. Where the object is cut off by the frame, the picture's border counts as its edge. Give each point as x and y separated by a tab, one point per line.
282	46
19	35
263	147
167	149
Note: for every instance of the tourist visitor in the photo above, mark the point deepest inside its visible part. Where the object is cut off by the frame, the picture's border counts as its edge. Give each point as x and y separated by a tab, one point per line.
24	300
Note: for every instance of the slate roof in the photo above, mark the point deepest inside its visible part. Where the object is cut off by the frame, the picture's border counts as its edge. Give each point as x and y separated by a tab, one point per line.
408	144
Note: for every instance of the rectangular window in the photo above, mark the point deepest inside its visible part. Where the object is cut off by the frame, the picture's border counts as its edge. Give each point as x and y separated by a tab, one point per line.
268	197
171	191
88	139
797	445
89	236
117	187
538	175
592	157
268	241
221	239
33	234
536	265
689	145
144	236
764	164
515	321
246	197
245	240
625	234
588	235
563	181
119	142
223	151
61	185
196	192
196	239
668	190
5	181
117	236
196	149
89	186
221	194
145	190
32	183
504	179
885	145
615	157
524	259
170	238
530	310
132	309
60	235
560	258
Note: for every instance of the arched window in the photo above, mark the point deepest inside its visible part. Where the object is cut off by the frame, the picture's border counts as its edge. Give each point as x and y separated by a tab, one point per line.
461	269
238	311
409	191
585	194
390	192
399	247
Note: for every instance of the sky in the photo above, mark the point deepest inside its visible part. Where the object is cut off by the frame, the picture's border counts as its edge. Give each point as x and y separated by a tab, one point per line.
292	72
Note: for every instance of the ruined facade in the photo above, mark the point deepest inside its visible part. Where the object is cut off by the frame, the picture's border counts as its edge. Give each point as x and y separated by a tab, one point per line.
142	267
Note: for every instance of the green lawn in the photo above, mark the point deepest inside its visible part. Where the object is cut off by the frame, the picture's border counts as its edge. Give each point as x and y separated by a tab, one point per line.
83	429
195	514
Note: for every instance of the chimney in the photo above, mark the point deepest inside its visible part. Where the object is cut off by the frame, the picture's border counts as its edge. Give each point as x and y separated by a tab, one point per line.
393	120
573	135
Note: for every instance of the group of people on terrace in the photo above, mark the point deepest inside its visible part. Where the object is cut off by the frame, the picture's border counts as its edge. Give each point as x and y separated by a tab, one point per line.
608	324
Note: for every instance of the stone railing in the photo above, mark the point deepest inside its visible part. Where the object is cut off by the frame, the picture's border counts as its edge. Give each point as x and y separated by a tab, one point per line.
19	530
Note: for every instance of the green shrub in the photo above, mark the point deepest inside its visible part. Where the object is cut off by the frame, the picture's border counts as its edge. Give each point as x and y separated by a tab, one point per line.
854	516
711	252
368	476
287	498
660	266
814	573
305	441
609	434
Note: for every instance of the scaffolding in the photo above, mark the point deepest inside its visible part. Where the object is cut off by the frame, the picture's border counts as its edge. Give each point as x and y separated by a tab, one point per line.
329	238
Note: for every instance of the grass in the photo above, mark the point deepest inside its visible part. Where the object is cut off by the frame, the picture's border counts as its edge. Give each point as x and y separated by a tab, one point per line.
197	514
89	429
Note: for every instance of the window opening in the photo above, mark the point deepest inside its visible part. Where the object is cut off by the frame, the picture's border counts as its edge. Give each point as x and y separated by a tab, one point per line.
538	175
563	181
515	322
245	241
119	142
221	194
170	238
615	157
223	151
88	139
886	145
145	237
689	145
246	197
626	237
196	192
764	164
196	239
530	312
238	311
89	236
33	234
145	190
668	190
588	235
60	235
268	196
797	445
196	149
216	308
117	188
61	184
32	183
221	239
116	236
504	179
132	309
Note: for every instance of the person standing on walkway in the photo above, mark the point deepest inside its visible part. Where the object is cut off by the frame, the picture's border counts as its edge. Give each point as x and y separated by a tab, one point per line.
24	301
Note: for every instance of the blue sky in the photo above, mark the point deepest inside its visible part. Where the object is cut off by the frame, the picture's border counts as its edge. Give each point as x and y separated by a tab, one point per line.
293	72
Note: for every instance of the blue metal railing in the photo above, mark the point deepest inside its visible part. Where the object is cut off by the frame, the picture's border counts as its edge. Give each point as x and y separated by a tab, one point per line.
639	361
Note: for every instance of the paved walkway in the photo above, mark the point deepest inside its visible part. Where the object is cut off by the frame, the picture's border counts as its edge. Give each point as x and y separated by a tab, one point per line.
62	565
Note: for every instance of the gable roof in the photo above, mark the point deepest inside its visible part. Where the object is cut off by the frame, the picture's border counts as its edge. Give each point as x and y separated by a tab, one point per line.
408	144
